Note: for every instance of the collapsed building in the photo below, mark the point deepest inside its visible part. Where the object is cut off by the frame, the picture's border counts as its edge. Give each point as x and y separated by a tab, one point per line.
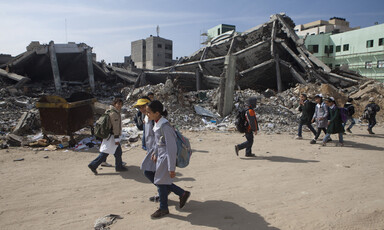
268	61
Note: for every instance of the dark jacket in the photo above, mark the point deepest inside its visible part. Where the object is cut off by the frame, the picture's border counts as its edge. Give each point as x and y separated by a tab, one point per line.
336	124
139	120
375	108
305	110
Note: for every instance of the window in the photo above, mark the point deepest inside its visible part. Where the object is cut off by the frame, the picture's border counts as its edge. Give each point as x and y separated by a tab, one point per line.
313	48
369	43
218	31
380	64
338	49
330	65
168	47
381	41
368	65
159	46
326	50
345	47
144	47
330	49
168	56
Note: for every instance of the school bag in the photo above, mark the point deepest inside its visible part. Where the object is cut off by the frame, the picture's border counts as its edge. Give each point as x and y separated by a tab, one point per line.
312	109
102	128
241	122
184	150
343	114
351	110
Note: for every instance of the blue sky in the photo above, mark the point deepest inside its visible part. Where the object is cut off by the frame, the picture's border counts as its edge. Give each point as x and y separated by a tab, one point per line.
109	26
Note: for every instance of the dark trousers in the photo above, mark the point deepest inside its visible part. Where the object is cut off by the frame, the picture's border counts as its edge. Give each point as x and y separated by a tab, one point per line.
371	122
164	189
247	145
301	124
319	131
103	156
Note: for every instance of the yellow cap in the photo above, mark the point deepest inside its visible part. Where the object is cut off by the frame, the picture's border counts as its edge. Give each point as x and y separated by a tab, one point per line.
141	101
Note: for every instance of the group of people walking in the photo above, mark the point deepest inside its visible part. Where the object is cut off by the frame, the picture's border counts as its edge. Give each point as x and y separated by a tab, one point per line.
328	117
159	142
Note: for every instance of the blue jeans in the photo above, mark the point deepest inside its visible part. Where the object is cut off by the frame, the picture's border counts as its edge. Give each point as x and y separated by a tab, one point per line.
164	189
371	122
328	135
300	130
247	145
352	122
103	157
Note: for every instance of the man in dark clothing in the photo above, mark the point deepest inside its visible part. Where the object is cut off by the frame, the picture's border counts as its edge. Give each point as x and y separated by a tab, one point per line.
306	115
252	128
372	108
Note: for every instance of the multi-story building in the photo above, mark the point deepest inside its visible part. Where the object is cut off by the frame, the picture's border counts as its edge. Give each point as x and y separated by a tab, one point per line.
361	50
333	25
152	53
216	31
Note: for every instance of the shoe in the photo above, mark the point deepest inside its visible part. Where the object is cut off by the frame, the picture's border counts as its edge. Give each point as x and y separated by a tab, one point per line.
160	213
123	169
105	164
370	131
329	140
349	130
250	155
184	198
324	144
155	198
341	144
124	163
298	138
237	150
313	141
92	169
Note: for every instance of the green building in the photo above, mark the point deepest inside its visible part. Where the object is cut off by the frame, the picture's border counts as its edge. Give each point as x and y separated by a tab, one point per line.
362	50
220	29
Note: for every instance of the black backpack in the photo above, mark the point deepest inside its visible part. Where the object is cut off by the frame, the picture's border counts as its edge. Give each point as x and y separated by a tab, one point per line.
312	109
351	110
241	121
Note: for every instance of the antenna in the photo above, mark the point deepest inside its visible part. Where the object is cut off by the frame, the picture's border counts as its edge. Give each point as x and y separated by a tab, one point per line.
158	30
66	33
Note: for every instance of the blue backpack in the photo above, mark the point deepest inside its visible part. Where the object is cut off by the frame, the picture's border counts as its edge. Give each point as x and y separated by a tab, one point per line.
184	150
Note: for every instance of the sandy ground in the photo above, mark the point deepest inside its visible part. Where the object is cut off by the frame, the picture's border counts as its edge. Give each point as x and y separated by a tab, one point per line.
289	185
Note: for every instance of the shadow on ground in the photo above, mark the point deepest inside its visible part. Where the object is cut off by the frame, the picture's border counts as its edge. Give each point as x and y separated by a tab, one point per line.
280	159
223	215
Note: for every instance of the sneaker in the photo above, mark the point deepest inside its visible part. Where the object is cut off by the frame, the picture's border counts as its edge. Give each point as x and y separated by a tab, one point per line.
105	164
349	130
313	141
237	150
123	169
298	138
160	213
92	169
124	163
250	155
155	198
184	198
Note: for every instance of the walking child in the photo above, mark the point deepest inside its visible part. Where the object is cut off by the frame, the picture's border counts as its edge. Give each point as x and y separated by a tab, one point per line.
320	117
306	114
164	154
350	111
335	124
111	144
251	128
372	108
